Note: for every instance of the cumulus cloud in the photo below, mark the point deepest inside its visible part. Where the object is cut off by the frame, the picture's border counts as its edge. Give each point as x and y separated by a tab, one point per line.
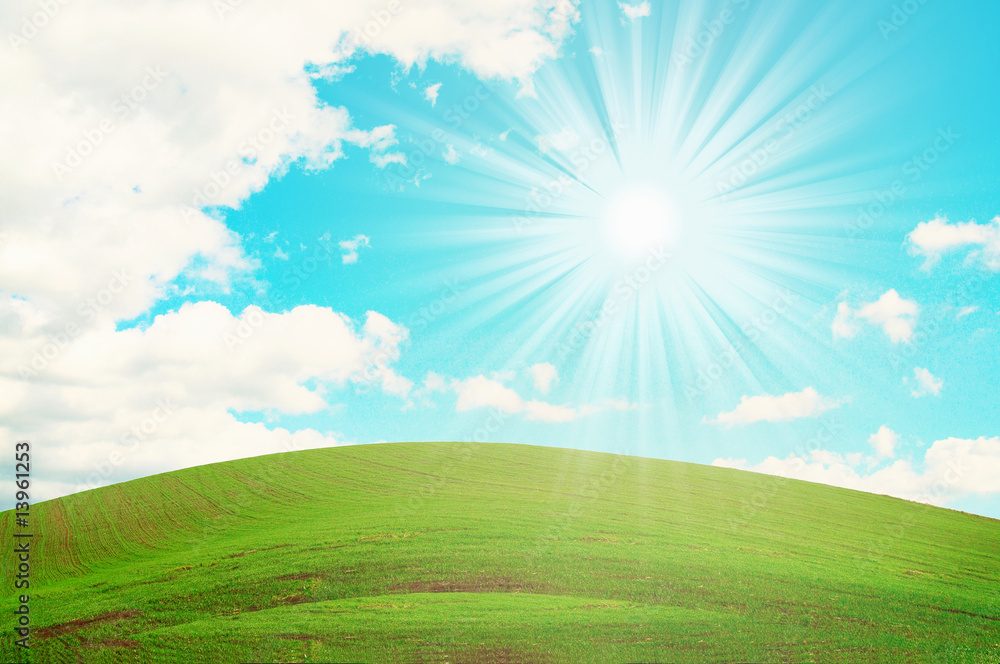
166	396
843	323
431	93
926	383
480	150
784	408
482	392
884	442
434	382
560	141
897	317
383	160
953	468
350	248
635	12
450	154
935	238
543	375
186	106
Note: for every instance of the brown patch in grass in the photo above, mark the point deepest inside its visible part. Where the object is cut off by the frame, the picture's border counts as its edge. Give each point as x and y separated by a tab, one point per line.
113	643
244	553
599	539
485	655
288	600
73	626
297	598
298	577
964	613
497	584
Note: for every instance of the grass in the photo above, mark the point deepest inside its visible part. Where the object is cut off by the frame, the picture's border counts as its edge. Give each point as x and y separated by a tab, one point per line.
479	554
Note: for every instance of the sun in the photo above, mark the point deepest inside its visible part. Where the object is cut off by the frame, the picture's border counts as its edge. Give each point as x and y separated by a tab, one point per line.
639	218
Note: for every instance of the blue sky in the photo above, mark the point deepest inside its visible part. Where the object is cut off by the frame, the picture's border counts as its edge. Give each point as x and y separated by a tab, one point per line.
754	233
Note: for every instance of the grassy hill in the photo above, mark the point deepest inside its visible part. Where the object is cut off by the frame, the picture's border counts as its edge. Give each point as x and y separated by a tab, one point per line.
481	554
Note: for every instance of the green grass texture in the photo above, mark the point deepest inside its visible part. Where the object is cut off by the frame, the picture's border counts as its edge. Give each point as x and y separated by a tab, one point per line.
499	554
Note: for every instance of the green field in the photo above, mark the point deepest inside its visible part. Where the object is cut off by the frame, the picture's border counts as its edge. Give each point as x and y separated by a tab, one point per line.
468	553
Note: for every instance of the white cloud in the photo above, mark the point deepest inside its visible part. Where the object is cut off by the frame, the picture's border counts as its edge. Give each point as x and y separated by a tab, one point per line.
431	93
884	442
383	160
332	72
543	376
596	51
966	311
560	141
927	383
897	317
451	154
351	247
635	12
953	468
767	408
480	150
483	392
165	397
843	324
932	239
503	136
434	382
185	106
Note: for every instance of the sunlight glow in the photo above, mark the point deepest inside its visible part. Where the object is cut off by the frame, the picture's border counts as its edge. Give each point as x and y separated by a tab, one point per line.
638	218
